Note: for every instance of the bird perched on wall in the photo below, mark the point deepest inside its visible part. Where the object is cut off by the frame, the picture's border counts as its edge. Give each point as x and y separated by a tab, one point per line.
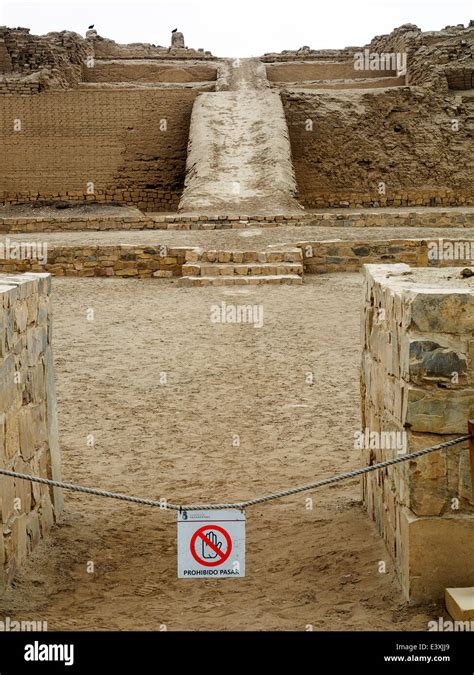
175	30
91	27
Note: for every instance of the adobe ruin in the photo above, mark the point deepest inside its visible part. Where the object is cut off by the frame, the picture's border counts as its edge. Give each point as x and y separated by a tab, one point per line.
102	138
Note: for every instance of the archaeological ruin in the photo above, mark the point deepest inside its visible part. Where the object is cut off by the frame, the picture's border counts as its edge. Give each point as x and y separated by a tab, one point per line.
208	177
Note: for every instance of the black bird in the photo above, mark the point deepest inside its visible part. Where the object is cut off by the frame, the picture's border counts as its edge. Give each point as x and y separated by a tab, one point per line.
175	30
90	27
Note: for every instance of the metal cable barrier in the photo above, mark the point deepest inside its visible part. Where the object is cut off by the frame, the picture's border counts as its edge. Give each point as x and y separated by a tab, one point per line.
163	504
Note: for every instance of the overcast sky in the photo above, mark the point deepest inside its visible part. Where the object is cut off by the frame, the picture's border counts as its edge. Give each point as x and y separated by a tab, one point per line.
236	27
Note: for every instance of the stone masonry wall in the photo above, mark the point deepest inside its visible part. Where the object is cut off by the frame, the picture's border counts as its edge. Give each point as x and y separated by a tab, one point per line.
418	378
28	425
365	218
110	142
320	257
159	260
105	261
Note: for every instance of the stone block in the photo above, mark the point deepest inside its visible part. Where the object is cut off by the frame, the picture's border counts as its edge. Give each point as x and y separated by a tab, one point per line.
436	553
460	603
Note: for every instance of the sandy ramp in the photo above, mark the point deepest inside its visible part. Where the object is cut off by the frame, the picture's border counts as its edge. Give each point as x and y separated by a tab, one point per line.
239	154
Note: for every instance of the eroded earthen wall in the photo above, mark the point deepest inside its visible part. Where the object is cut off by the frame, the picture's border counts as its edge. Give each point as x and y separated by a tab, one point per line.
28	425
347	144
122	146
418	379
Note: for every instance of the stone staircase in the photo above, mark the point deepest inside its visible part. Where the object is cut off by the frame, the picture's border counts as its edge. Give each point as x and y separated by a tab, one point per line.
230	268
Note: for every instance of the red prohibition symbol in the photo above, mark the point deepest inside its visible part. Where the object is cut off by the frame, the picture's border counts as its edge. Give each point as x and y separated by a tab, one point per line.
210	553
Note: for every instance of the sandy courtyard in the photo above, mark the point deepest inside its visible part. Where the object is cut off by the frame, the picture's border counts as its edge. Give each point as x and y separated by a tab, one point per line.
305	567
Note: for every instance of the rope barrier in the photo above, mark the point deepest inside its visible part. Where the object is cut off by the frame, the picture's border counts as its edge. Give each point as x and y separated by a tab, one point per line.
163	504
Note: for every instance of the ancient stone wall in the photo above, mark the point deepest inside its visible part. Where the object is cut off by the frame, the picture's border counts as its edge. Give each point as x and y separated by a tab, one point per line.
121	146
394	147
320	257
453	218
28	425
418	379
104	261
160	260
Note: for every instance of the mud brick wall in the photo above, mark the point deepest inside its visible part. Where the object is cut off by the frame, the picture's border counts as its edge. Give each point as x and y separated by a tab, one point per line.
320	257
460	78
300	72
147	71
417	377
17	86
70	140
55	59
5	60
28	425
105	261
431	55
403	138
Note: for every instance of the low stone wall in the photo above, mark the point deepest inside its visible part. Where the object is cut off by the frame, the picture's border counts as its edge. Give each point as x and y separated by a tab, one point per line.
441	197
28	424
160	260
144	199
320	257
105	261
176	221
417	380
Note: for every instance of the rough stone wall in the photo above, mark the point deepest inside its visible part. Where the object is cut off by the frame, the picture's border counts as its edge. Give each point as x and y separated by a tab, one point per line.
28	425
320	257
403	138
105	261
111	140
158	221
418	378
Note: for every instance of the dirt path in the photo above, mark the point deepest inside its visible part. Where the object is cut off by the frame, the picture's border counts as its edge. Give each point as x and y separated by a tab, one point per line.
317	567
252	238
239	154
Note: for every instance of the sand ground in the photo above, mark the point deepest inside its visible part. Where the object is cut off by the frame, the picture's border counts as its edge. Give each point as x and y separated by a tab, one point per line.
305	567
249	239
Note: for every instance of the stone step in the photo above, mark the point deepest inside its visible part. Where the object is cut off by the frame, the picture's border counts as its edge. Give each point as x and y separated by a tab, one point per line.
241	269
214	256
240	280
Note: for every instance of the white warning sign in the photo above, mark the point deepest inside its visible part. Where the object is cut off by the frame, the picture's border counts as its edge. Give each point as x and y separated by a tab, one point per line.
211	544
